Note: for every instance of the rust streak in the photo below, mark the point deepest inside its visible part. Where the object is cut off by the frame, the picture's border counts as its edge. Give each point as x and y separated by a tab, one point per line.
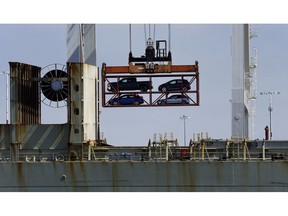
20	174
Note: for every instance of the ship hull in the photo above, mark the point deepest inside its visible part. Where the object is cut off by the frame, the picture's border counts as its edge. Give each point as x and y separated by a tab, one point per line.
128	176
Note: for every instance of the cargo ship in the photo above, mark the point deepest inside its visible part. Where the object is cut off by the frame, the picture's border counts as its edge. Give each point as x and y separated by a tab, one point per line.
209	166
72	157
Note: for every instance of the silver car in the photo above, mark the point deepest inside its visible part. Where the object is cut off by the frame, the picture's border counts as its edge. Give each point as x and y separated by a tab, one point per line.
175	99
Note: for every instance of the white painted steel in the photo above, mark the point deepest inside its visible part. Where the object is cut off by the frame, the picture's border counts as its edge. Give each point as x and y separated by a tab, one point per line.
240	69
81	43
89	102
83	106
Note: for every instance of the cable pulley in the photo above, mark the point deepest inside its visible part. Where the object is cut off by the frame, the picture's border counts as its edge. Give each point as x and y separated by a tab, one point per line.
54	85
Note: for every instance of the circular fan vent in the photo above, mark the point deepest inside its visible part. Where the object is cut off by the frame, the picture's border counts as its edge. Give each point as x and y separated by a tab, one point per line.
54	85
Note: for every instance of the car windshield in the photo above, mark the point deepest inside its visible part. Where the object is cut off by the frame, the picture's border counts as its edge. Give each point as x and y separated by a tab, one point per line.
173	96
173	82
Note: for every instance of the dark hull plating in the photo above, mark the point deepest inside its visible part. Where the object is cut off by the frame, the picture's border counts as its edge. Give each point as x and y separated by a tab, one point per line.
125	176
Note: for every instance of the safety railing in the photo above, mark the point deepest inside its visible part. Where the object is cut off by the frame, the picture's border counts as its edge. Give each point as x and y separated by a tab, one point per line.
202	150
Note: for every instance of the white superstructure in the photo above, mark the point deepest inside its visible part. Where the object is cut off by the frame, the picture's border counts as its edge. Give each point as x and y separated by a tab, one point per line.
243	82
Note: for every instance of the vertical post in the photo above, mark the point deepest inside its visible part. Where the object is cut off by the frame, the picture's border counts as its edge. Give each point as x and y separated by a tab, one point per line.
270	114
227	148
7	92
149	149
166	153
160	145
197	87
184	117
238	150
184	132
202	149
233	151
191	149
270	108
263	150
194	155
244	149
97	110
89	151
130	39
199	141
169	38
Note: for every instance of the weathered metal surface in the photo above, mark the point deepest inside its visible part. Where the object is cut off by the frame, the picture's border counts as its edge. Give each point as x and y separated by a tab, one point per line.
4	136
146	169
24	102
34	137
75	109
42	163
24	95
82	103
144	176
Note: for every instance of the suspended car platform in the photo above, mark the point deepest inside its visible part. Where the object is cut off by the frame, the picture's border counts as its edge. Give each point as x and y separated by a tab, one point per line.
142	80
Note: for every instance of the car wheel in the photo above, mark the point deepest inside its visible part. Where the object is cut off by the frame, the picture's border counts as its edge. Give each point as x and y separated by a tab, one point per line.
136	102
115	103
163	89
184	89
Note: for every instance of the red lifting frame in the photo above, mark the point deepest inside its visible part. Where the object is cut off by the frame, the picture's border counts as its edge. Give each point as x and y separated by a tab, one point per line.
174	69
177	71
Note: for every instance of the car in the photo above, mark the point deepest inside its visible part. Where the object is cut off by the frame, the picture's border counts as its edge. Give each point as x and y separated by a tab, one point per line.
130	83
127	99
175	99
175	85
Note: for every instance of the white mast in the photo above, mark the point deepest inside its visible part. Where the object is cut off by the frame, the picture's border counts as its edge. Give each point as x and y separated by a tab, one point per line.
81	43
243	82
252	82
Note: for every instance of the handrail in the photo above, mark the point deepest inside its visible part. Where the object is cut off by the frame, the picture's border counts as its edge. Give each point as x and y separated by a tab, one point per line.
198	151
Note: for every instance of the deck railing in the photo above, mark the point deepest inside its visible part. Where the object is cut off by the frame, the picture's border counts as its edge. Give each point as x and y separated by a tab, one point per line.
203	150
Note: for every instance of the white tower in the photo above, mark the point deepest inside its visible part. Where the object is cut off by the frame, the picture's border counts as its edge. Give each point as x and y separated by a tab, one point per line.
83	103
243	83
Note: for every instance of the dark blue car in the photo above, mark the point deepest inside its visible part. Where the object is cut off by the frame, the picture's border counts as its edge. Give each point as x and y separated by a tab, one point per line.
175	85
126	100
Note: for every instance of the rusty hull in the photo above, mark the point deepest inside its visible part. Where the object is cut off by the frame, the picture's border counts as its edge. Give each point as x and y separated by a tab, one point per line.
180	176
